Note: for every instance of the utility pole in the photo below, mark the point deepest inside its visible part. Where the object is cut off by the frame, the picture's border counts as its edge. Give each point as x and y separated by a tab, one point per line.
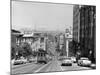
67	47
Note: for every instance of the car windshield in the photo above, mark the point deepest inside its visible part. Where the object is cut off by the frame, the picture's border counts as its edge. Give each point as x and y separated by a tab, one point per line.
67	58
84	58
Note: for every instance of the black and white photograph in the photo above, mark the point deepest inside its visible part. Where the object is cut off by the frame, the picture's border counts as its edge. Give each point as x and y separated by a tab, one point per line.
52	37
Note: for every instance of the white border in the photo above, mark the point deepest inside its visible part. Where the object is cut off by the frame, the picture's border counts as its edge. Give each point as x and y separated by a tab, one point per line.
5	37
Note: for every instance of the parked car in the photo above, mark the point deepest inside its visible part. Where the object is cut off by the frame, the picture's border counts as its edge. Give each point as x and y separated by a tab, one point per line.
84	62
24	61
67	62
12	61
73	59
61	58
32	60
18	61
93	66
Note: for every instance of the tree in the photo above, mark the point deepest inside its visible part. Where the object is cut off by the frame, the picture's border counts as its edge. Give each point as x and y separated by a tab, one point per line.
27	50
22	50
75	46
16	52
34	53
71	50
57	47
13	52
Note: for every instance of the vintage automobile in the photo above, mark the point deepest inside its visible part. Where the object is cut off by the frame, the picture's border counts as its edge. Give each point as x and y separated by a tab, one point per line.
93	66
61	58
24	61
73	59
83	61
67	62
18	61
32	59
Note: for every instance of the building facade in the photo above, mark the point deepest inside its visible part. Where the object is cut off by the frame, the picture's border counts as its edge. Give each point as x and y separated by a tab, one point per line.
62	44
15	37
76	23
87	30
84	29
36	41
68	39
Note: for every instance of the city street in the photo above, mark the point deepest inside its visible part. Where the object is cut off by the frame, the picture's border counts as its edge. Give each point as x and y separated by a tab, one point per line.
25	68
55	66
52	66
46	36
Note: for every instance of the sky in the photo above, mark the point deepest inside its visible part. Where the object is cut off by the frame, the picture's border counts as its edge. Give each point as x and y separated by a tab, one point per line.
41	16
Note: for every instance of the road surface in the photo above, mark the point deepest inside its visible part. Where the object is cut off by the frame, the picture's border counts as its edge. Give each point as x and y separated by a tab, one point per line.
52	66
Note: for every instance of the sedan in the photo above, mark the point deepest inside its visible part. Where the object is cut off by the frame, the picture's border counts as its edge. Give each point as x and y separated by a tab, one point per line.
73	59
24	61
84	62
67	62
17	62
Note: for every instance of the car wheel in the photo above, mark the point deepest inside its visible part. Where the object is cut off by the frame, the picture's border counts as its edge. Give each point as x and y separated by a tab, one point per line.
78	64
45	62
70	64
62	64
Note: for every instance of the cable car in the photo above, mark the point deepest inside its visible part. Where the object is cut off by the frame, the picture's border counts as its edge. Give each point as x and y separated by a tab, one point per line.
41	56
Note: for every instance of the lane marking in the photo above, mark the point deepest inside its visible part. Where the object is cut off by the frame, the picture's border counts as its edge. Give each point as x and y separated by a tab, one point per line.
49	68
42	67
60	66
